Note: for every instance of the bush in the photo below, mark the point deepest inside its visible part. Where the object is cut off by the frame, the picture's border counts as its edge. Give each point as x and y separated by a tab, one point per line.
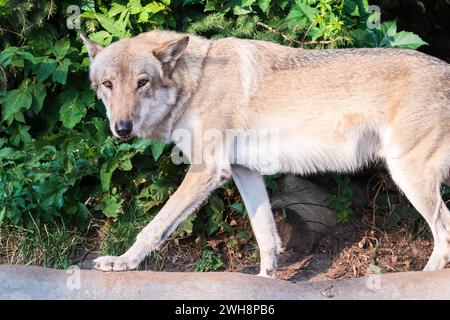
59	164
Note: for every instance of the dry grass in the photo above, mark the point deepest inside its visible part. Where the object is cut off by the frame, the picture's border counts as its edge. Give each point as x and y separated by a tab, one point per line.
54	246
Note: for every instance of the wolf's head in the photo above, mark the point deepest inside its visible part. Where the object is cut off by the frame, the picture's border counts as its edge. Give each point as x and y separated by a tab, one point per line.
132	77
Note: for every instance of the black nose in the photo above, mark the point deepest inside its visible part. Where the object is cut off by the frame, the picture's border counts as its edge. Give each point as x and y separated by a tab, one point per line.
123	128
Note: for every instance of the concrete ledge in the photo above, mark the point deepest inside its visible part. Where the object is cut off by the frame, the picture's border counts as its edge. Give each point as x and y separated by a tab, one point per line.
28	282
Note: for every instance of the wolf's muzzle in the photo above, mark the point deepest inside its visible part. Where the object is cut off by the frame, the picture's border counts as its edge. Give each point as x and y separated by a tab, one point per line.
123	128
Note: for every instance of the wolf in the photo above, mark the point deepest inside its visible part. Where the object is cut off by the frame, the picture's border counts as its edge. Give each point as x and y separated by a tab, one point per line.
332	110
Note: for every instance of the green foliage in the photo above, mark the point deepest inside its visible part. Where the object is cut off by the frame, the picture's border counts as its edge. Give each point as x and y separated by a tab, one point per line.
342	201
19	18
58	162
387	37
209	261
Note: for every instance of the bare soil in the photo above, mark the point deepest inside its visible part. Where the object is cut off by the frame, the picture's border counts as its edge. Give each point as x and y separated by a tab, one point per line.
352	249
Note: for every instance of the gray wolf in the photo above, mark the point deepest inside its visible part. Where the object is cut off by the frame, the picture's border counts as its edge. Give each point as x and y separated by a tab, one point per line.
332	110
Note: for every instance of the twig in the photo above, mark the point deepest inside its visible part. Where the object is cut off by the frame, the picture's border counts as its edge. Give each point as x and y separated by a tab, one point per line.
281	34
301	42
307	31
326	41
5	83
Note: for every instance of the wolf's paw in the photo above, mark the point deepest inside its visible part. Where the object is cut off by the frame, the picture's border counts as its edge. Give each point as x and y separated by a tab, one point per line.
112	263
268	273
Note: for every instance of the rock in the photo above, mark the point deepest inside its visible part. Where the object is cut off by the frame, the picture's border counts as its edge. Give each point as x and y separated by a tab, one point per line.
307	216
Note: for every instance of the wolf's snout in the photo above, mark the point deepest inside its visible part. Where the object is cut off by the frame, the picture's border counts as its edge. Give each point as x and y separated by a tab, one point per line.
123	128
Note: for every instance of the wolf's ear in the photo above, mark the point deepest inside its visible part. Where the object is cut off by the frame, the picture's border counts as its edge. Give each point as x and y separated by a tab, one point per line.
92	47
170	51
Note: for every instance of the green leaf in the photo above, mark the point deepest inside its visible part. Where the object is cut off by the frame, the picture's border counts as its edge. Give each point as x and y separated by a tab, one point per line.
227	227
16	99
40	41
238	207
389	28
60	73
216	203
363	6
351	8
16	57
88	97
39	93
26	56
2	214
6	55
213	223
135	6
101	128
154	7
124	147
109	150
18	133
247	3
102	37
407	40
83	210
143	17
264	5
51	192
72	110
126	165
45	69
300	10
187	224
61	48
90	14
116	8
6	152
244	235
18	116
112	206
108	24
364	38
210	6
157	149
140	144
315	33
23	134
106	172
237	10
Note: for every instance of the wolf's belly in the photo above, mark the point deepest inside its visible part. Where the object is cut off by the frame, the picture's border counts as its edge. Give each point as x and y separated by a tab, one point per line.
305	155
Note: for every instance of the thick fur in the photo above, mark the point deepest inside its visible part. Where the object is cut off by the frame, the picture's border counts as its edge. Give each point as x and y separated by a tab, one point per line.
332	110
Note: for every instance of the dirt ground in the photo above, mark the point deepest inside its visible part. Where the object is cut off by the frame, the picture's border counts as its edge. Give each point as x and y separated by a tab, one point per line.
352	249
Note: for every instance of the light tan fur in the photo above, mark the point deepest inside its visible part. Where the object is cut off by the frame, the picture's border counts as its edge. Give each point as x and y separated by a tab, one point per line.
333	110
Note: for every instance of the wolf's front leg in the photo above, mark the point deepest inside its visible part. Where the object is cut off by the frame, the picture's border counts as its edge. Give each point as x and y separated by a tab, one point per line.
253	191
196	186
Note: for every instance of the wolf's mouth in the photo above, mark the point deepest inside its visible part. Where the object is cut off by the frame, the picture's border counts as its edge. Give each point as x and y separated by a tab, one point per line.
129	137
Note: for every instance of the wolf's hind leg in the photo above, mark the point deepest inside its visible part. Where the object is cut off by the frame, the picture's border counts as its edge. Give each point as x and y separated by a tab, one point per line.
253	191
421	184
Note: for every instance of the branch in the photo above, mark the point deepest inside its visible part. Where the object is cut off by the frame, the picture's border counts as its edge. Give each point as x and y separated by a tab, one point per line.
5	83
301	42
326	41
281	34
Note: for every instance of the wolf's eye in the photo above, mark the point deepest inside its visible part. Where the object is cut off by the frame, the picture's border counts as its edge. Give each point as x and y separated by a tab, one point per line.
107	84
142	82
